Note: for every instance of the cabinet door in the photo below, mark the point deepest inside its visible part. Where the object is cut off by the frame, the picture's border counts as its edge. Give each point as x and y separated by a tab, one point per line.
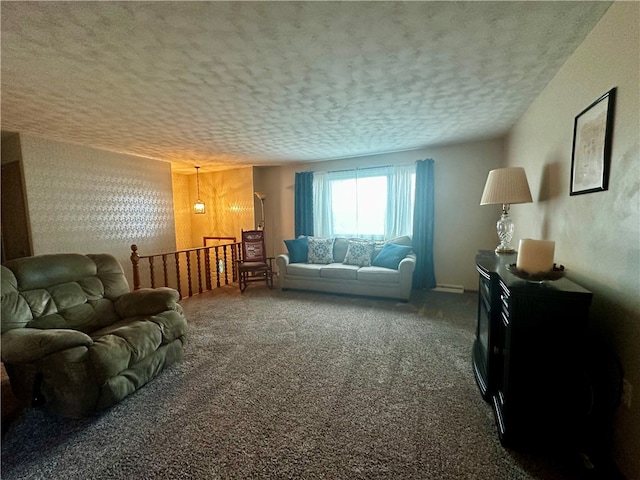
484	351
542	396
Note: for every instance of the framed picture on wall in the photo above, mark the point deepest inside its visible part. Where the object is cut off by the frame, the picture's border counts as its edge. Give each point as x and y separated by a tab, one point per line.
592	146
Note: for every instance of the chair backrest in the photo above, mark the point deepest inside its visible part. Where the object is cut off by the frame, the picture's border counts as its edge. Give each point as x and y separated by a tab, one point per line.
64	290
253	247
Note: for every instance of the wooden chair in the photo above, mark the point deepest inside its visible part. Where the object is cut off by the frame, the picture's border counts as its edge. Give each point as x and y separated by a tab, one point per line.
254	266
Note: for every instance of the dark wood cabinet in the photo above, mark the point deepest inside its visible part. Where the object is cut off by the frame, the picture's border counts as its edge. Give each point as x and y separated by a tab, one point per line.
528	356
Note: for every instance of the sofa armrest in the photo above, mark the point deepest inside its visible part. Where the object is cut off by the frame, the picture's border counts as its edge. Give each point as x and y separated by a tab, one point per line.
408	262
147	301
24	345
282	261
407	266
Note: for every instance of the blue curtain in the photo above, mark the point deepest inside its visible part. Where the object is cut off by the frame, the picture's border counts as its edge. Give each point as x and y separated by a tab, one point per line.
303	204
424	276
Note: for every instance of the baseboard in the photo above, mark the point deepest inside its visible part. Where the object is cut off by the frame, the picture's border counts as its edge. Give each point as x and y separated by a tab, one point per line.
449	288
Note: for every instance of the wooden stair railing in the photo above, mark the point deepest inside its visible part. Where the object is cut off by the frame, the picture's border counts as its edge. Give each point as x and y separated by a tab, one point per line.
195	261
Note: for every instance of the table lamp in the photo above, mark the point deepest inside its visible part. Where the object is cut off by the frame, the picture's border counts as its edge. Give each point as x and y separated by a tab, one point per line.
506	186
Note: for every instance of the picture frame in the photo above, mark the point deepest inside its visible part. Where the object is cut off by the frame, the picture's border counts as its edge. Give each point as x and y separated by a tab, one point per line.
591	154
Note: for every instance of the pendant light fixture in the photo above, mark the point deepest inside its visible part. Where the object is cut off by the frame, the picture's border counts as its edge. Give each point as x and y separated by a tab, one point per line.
198	207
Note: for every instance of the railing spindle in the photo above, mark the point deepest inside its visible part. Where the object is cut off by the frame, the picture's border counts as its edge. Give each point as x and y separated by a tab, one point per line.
199	271
152	273
234	262
135	258
164	270
217	267
188	255
178	279
207	267
226	270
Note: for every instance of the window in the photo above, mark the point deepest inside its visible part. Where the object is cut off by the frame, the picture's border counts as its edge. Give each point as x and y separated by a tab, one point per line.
374	203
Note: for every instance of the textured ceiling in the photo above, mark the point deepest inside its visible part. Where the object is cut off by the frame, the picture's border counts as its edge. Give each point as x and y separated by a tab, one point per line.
213	83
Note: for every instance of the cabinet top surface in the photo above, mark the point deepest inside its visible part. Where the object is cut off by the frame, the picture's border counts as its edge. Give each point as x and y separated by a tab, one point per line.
496	264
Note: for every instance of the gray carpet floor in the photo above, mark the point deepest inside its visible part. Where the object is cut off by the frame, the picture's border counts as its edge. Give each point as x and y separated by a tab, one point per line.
295	385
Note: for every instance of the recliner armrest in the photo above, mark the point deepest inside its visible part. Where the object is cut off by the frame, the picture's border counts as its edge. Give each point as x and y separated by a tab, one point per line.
147	301
24	345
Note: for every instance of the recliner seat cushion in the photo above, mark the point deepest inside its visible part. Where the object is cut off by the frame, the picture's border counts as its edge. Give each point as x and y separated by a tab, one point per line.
122	345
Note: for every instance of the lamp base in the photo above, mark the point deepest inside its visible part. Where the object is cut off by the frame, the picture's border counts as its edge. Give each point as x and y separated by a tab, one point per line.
504	250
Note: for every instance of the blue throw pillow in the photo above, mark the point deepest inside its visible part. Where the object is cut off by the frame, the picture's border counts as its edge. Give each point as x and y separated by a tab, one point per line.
298	249
391	255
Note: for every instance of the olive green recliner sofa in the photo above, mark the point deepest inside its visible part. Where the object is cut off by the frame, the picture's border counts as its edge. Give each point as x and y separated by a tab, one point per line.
75	339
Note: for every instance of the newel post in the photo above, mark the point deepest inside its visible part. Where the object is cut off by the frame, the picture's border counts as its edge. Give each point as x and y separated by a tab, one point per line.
135	258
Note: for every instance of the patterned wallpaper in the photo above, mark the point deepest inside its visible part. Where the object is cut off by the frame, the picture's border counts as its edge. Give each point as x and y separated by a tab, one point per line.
86	200
182	210
228	196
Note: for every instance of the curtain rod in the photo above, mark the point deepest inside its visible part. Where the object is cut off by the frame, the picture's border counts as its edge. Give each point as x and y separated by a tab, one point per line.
367	168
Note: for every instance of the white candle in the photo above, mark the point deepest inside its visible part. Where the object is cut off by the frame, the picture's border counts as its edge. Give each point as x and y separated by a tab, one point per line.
535	256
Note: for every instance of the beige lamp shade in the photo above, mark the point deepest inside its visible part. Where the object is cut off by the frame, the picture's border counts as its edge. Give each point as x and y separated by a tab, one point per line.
506	186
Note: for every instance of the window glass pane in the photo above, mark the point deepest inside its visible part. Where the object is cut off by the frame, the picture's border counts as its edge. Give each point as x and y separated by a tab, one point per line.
374	203
344	209
372	206
359	206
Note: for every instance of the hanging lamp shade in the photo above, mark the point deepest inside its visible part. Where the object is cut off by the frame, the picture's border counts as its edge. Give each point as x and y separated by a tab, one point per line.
198	207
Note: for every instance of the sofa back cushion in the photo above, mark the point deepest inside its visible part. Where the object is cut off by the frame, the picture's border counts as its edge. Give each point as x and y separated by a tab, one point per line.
320	250
340	246
298	249
61	291
403	240
391	255
359	253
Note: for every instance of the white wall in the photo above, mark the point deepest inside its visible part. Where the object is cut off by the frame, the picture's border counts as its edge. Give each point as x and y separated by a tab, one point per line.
85	200
462	226
597	235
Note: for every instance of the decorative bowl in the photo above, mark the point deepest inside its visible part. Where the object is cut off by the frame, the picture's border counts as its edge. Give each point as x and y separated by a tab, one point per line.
555	273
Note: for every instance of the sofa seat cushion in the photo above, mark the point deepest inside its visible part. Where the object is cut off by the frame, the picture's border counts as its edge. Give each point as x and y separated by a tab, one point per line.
339	270
378	275
304	269
122	345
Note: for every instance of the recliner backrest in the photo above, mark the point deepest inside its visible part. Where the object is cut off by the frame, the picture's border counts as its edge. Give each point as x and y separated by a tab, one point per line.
61	291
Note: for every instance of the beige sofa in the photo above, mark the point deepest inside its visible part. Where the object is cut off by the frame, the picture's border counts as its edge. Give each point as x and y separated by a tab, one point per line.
338	277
